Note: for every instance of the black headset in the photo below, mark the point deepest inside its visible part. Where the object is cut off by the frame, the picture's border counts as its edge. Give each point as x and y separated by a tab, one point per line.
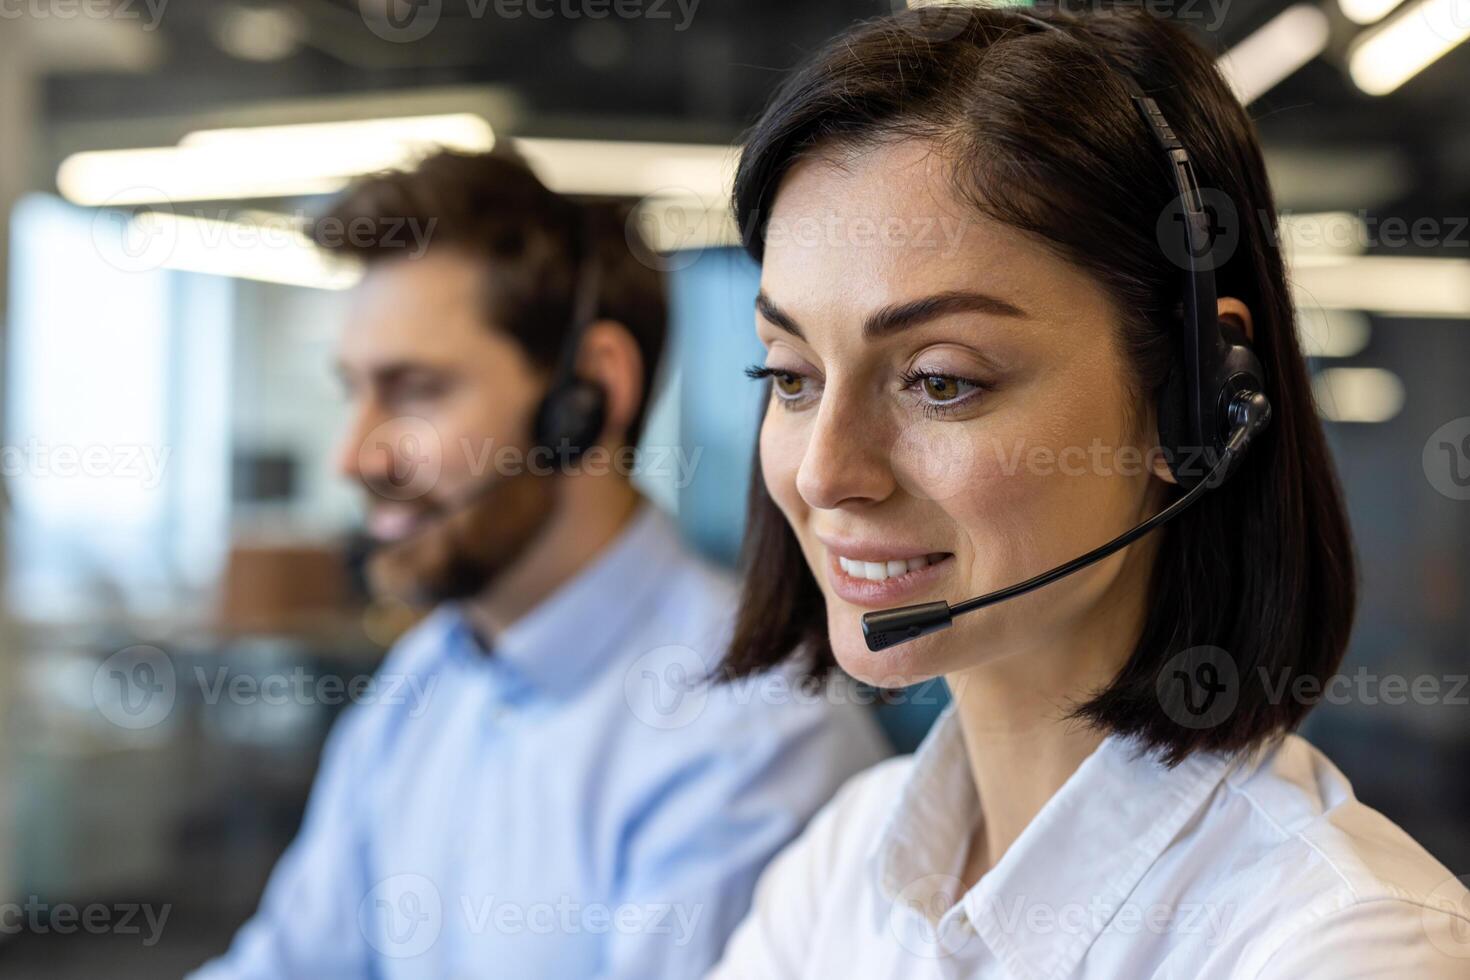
1210	408
570	418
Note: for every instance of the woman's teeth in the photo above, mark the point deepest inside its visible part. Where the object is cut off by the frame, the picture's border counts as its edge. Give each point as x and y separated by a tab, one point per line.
877	571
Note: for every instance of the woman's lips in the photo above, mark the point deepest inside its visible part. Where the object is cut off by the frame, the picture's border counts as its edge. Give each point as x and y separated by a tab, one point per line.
895	590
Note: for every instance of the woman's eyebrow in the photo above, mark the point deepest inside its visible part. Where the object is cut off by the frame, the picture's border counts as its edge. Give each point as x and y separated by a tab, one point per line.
901	316
775	316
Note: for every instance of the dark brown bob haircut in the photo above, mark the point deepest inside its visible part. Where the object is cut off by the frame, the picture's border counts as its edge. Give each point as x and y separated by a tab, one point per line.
531	240
1044	137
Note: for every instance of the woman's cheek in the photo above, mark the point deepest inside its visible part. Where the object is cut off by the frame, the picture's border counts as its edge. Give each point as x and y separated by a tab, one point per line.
781	449
945	460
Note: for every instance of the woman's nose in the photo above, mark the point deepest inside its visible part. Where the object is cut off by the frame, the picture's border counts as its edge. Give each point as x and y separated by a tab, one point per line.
846	461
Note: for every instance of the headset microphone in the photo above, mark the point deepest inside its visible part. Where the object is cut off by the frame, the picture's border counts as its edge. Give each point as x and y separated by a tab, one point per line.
1212	404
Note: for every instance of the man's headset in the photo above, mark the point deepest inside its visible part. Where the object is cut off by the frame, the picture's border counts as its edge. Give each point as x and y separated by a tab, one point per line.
1212	404
571	415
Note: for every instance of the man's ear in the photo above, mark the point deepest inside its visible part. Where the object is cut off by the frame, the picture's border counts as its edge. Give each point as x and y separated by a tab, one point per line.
1230	310
610	357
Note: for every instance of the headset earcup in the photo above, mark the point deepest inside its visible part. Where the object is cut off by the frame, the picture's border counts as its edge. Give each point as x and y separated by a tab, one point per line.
570	418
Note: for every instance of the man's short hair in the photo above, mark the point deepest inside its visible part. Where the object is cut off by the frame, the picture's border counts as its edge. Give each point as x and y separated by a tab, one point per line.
531	240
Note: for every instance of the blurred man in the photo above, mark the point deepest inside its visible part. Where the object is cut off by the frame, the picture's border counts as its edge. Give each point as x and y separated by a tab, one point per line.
564	799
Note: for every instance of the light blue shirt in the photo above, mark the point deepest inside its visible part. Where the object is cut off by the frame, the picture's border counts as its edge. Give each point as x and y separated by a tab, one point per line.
575	803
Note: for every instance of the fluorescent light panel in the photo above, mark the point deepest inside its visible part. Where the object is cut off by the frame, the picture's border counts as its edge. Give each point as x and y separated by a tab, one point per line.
1332	333
1402	286
1358	394
264	162
1387	56
264	253
1367	11
1281	46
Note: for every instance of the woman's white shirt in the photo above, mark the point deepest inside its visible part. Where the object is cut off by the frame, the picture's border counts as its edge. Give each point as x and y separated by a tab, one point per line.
1262	867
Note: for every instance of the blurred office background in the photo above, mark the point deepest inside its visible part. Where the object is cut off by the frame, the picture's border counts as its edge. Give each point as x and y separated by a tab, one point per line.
169	406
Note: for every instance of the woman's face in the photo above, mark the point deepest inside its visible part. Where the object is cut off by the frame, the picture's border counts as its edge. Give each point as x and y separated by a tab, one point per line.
951	414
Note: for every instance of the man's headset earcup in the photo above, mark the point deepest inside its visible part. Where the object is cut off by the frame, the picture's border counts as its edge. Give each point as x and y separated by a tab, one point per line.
570	418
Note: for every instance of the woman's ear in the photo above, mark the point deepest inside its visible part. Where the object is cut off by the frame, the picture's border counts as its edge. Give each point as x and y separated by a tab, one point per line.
1160	468
1231	309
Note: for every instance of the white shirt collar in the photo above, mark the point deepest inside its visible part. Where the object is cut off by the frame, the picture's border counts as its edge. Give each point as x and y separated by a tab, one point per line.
1075	859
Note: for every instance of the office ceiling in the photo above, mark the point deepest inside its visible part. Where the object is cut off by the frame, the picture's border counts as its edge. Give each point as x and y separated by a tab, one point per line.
669	75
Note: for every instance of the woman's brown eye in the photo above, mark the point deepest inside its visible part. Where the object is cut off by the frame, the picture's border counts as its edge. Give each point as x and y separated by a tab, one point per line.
790	384
940	388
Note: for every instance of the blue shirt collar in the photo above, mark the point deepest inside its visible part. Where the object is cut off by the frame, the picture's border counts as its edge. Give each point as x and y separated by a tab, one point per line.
572	634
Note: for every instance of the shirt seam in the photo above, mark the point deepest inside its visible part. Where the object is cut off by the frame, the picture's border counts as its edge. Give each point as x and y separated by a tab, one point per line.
1288	835
1357	902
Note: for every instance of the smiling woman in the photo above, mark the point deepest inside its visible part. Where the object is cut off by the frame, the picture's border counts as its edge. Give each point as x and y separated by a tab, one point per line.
949	416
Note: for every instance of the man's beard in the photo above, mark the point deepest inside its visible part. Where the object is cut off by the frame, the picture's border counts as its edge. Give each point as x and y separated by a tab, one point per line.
460	550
